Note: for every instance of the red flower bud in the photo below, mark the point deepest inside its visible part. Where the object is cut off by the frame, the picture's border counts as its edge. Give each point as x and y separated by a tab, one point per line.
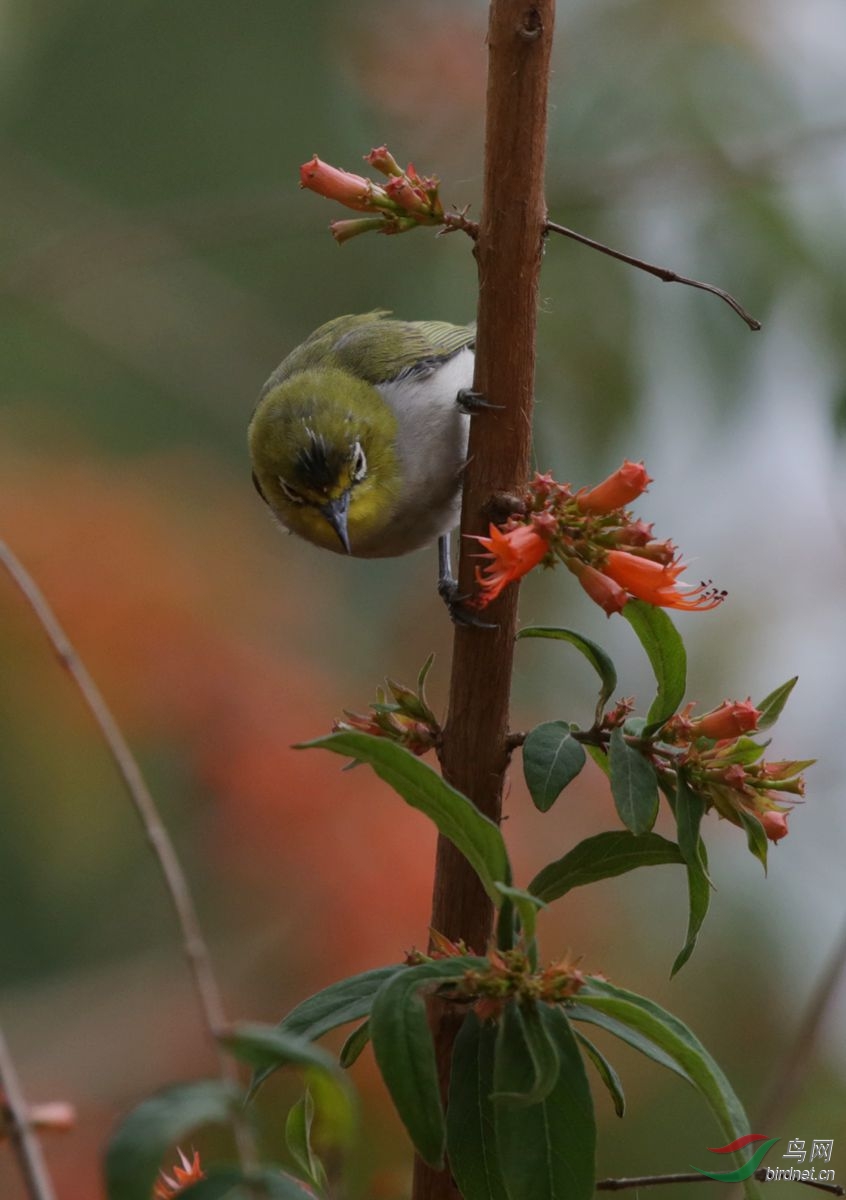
618	490
732	718
382	159
352	190
610	597
775	824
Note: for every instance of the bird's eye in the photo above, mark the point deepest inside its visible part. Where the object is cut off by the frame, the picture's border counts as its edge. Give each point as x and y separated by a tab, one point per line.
289	492
359	464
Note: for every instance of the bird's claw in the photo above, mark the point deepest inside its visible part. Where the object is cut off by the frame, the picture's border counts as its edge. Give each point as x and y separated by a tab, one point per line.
461	613
471	402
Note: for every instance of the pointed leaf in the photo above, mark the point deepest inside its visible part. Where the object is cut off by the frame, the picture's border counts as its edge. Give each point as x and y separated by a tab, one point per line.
699	896
525	1059
634	785
457	818
354	1045
689	807
471	1141
347	1000
601	857
666	653
402	1043
136	1152
298	1140
605	1071
756	837
552	758
771	706
547	1150
681	1045
267	1047
578	1012
595	655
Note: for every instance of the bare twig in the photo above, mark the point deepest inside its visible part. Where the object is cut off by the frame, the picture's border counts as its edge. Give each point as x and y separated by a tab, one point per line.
619	1185
788	1076
21	1134
193	943
663	273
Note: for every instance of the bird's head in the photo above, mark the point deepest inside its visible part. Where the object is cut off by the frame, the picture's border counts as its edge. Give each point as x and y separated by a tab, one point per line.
323	450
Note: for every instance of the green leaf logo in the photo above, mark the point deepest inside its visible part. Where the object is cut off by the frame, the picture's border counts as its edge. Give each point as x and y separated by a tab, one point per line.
749	1168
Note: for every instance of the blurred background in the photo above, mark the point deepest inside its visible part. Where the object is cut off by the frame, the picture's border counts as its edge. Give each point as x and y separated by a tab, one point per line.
158	260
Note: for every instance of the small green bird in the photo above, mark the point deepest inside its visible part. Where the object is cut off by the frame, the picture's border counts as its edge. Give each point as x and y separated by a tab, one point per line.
359	437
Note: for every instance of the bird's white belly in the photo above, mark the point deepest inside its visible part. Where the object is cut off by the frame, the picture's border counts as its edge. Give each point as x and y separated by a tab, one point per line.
432	448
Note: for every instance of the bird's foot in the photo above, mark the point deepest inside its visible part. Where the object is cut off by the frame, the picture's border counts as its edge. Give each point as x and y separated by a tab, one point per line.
471	402
460	610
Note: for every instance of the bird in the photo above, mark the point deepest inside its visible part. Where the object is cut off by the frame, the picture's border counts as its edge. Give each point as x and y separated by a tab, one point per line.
358	440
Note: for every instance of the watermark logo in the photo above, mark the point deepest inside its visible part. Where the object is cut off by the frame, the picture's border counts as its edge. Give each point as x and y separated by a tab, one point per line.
749	1167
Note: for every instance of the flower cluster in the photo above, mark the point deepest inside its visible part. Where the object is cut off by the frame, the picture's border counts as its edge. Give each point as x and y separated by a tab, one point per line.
510	974
613	556
727	770
408	721
404	202
186	1171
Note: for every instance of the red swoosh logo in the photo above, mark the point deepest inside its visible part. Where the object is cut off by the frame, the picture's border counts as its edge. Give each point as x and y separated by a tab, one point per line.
739	1143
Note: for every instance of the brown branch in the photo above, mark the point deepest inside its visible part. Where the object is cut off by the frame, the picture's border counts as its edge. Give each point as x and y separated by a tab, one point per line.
797	1060
17	1122
193	943
474	755
663	273
619	1185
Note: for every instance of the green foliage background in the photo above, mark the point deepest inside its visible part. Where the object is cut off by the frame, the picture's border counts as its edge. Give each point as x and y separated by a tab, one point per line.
158	259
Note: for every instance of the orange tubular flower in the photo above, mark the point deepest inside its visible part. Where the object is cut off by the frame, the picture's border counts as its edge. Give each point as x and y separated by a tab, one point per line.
189	1171
513	553
618	490
657	583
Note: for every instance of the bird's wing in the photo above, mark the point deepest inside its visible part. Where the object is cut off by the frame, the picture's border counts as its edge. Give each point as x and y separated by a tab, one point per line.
375	348
383	350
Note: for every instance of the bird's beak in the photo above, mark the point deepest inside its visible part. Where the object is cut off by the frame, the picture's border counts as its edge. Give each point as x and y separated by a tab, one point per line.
335	513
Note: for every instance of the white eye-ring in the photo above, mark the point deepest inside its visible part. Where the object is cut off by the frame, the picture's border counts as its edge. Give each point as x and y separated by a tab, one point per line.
359	463
289	492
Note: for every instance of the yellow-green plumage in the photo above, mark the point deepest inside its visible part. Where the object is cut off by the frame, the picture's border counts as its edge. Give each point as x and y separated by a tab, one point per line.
362	419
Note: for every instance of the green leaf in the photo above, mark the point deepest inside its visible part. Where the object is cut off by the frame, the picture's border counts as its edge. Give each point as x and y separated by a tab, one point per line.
689	808
402	1043
681	1045
699	896
634	785
347	1000
631	1037
666	653
232	1184
601	857
457	818
547	1150
552	758
771	706
267	1047
605	1071
595	655
527	906
354	1045
136	1152
526	1058
298	1140
756	837
471	1141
